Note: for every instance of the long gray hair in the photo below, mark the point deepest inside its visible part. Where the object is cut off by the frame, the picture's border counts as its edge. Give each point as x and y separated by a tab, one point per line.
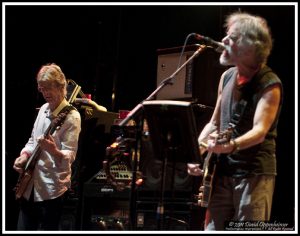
254	31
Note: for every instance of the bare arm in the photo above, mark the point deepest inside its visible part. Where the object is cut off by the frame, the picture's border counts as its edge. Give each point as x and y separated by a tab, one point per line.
264	117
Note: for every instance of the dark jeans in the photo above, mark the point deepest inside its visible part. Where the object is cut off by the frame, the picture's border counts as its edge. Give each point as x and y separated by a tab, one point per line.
244	199
43	215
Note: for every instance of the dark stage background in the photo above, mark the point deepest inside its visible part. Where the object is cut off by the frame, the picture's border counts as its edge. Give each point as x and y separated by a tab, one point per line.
114	48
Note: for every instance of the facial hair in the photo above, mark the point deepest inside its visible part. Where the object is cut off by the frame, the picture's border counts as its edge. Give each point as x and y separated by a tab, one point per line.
226	57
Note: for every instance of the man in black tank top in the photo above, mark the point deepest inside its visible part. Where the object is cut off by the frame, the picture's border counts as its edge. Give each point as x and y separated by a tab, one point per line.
244	177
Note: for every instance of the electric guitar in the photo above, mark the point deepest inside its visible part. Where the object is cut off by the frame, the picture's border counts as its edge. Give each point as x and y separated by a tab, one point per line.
26	175
209	167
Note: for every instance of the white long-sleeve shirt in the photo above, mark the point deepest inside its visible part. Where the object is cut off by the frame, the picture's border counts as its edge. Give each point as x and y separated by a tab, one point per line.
52	175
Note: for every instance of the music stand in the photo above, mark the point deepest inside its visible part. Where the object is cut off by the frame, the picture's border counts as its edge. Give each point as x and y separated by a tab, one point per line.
173	122
173	132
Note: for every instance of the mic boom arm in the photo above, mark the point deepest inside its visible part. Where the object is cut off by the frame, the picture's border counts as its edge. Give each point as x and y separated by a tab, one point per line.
218	46
166	81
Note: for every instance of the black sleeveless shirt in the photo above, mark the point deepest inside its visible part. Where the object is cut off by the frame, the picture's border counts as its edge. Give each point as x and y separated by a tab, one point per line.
259	159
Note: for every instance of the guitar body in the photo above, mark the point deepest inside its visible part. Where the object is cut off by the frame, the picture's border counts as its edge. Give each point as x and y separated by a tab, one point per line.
22	183
206	187
26	175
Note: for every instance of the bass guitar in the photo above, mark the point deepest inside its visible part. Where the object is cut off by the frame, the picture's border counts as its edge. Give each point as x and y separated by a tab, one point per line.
26	175
209	167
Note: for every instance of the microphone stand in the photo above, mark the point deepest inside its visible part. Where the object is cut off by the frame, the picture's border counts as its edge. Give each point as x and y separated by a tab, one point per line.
134	113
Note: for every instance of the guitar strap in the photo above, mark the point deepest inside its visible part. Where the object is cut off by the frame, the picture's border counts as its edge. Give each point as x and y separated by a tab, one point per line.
67	109
247	92
52	128
239	110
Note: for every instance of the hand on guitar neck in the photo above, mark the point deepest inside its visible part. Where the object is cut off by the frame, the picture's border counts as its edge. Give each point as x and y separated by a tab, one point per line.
195	169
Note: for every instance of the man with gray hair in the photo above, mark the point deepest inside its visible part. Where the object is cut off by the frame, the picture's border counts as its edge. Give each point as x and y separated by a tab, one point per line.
45	161
242	130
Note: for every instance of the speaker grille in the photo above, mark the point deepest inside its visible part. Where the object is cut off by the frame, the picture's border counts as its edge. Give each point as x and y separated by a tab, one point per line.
176	177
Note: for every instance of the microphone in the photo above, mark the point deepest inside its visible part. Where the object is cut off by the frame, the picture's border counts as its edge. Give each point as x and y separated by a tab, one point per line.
218	46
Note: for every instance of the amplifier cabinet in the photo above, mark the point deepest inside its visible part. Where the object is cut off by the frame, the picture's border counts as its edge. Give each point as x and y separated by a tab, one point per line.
104	208
198	80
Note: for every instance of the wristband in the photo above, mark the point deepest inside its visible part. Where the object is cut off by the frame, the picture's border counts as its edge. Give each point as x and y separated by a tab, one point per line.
202	144
236	147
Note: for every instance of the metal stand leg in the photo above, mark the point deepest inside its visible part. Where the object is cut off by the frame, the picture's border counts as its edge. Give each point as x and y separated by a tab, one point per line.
160	207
